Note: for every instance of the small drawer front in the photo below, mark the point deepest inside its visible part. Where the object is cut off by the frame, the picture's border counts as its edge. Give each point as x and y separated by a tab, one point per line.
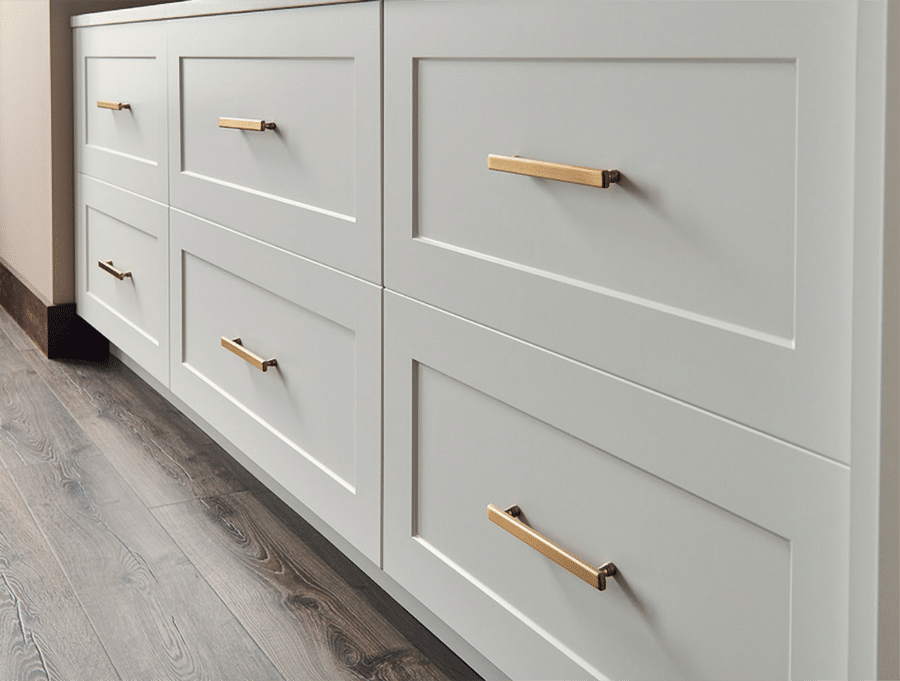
714	267
120	110
283	357
122	271
276	121
731	549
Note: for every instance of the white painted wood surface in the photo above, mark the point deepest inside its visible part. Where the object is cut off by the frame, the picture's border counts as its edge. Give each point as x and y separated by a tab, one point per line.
718	271
129	147
732	547
193	8
311	185
314	420
132	231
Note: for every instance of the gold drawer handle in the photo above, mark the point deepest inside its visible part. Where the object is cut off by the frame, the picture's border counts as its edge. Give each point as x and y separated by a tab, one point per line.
246	124
509	521
554	171
235	345
115	106
108	267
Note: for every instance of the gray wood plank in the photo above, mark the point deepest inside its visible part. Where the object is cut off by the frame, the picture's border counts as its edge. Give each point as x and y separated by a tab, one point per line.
34	426
18	337
164	456
153	611
310	623
44	633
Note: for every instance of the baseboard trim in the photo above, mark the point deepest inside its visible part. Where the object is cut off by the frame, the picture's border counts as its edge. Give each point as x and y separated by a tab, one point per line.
56	329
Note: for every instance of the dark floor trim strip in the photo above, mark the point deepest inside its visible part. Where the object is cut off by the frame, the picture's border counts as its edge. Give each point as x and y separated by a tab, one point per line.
56	329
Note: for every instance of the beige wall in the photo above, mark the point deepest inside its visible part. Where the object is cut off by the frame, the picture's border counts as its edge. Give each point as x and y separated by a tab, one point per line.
26	239
36	136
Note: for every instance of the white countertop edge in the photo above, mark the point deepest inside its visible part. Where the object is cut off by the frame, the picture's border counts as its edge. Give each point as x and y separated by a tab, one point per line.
191	8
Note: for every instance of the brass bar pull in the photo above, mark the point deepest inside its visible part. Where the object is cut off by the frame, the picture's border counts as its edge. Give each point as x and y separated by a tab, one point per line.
246	124
235	345
554	171
509	521
108	267
115	106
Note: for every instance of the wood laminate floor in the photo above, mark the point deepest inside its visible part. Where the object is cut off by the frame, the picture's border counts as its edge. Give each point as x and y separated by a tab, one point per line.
133	547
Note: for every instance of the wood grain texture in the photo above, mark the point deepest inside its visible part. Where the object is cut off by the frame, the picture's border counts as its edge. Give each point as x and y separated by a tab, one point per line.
34	426
283	593
44	633
163	455
154	612
400	619
15	332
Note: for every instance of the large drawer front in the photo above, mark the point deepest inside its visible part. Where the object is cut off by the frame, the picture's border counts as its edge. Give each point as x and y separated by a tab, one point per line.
120	115
732	548
312	421
716	271
122	271
311	184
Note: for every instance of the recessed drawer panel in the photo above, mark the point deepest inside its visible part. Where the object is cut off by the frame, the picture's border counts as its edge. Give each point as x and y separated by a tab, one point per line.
731	548
122	271
282	356
715	265
120	115
277	119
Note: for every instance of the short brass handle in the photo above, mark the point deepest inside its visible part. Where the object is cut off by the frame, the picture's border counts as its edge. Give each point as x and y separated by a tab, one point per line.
509	521
108	267
235	345
591	177
246	124
115	106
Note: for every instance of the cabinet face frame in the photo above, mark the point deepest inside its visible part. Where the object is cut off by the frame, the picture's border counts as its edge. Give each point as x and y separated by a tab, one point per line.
797	388
875	494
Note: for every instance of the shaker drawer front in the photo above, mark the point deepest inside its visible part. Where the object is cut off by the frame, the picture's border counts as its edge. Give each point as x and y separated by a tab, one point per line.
122	271
311	418
314	174
120	112
715	269
731	548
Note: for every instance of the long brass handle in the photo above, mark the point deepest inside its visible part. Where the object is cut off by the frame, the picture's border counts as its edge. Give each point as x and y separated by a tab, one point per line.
115	106
591	177
509	521
108	267
235	345
246	124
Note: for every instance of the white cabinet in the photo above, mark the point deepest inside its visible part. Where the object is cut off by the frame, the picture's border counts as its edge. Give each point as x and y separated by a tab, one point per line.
695	338
690	372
